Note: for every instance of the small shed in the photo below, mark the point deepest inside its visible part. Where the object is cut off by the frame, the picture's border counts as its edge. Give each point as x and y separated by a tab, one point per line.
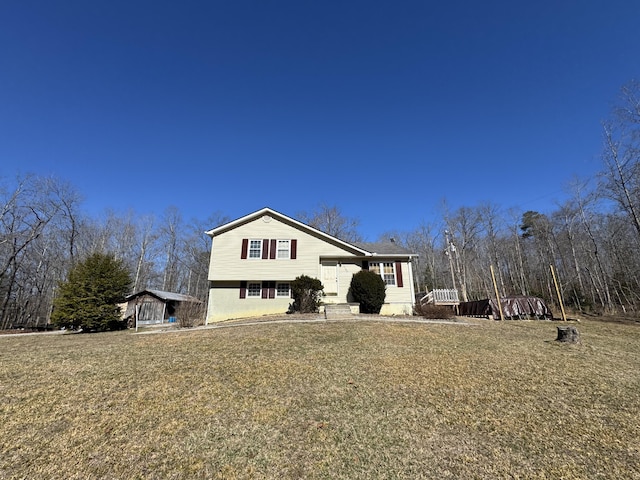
156	306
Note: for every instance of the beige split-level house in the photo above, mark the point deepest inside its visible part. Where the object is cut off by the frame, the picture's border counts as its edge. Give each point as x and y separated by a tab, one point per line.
256	257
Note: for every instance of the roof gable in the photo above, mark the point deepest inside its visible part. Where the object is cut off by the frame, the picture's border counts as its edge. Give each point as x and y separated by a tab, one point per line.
288	220
359	248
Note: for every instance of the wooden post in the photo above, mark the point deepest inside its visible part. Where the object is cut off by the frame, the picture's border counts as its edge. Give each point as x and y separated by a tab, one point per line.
495	287
555	282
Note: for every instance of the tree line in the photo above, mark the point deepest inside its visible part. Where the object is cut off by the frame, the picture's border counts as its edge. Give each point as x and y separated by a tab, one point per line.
44	233
592	240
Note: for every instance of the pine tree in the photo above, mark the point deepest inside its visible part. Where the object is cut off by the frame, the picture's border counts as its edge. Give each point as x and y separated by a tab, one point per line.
89	298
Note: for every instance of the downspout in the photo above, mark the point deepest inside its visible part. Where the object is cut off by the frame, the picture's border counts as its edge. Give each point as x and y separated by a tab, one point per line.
413	291
338	268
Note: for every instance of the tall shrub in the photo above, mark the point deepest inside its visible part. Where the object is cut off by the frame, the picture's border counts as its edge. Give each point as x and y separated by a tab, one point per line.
369	290
306	292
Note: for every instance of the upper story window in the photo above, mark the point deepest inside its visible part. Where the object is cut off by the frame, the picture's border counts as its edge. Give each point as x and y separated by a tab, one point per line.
255	248
284	249
269	249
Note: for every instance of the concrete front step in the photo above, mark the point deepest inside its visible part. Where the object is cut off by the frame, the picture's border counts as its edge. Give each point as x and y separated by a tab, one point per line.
338	310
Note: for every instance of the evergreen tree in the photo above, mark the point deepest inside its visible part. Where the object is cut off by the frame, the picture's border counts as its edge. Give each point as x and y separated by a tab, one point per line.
89	298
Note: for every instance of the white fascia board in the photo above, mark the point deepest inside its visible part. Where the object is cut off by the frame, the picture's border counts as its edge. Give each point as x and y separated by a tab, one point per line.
237	221
396	256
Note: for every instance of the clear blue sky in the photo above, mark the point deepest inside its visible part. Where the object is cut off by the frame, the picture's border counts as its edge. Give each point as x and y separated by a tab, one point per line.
381	108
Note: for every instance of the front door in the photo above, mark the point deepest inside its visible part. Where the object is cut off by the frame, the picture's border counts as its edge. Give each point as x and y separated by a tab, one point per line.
330	278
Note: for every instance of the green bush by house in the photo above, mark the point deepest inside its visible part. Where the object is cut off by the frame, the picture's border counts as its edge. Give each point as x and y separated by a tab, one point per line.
369	290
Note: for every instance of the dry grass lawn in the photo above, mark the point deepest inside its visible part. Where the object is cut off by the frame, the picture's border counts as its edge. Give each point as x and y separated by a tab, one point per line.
350	400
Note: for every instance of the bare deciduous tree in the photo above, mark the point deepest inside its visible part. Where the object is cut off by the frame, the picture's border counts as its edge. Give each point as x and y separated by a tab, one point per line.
331	220
32	211
621	155
170	229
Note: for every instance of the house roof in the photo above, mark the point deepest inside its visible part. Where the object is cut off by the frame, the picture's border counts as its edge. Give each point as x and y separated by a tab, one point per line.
364	249
270	212
166	296
383	248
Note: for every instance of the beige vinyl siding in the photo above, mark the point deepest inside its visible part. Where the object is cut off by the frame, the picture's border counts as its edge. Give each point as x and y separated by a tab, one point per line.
226	263
399	300
399	294
227	269
346	270
224	303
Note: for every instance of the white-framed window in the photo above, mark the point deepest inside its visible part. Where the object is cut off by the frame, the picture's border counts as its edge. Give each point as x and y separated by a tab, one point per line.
389	273
254	290
283	290
284	249
255	248
387	270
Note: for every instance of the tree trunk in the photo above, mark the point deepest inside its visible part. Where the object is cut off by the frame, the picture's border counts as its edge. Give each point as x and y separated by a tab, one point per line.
568	335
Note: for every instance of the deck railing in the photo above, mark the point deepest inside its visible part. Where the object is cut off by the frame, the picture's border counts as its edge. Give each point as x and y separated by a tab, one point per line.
442	296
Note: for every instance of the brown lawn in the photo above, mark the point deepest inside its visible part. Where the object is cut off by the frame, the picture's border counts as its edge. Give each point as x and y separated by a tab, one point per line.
351	400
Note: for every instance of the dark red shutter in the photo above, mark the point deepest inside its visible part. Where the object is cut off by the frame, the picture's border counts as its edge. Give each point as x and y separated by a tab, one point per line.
272	289
265	289
245	247
265	248
243	289
294	249
399	274
365	264
272	253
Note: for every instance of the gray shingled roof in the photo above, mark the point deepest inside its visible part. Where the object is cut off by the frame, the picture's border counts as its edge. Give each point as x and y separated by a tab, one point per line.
383	248
166	296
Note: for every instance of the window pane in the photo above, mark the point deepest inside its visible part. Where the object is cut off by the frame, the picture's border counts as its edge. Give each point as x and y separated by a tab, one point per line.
255	248
389	274
375	268
254	290
283	248
282	290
